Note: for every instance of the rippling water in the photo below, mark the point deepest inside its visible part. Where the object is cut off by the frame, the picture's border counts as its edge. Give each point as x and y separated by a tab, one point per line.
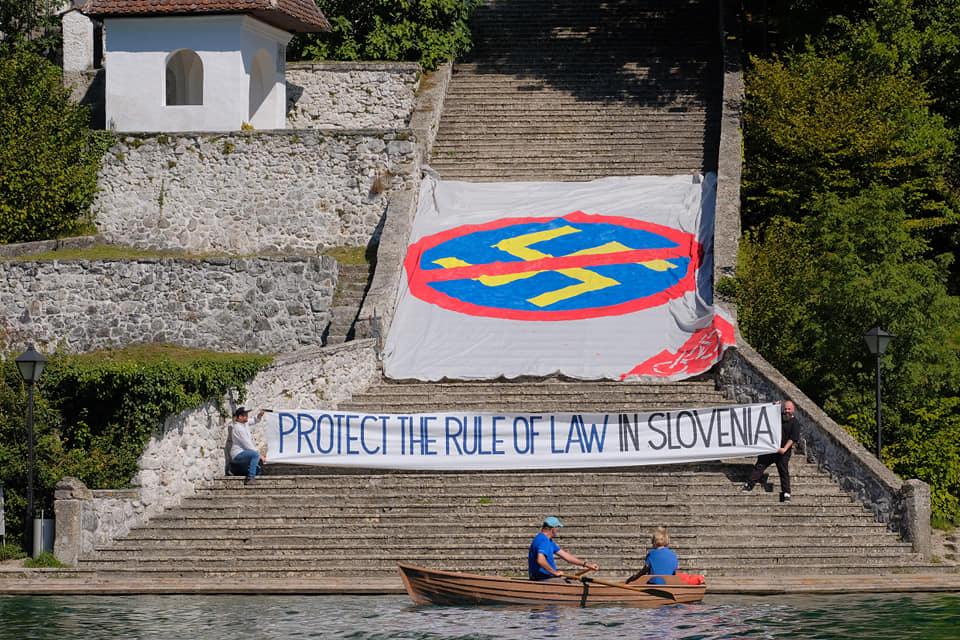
930	617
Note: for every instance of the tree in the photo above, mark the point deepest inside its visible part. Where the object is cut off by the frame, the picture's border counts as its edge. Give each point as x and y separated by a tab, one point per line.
426	31
816	124
30	23
808	290
49	156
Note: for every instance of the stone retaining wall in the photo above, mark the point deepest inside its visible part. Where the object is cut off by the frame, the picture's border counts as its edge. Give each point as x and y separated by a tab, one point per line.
188	451
262	305
746	377
351	95
279	192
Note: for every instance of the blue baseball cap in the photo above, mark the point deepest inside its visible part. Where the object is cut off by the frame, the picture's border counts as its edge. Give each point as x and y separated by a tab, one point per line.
551	522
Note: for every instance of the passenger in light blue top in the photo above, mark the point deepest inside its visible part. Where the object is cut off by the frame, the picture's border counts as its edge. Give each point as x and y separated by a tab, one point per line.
660	561
540	564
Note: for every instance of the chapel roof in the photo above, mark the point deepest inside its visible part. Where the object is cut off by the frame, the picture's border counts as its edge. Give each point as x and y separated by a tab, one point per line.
289	15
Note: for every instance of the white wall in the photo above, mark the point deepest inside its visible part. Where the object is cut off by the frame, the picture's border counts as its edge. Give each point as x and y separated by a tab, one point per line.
135	55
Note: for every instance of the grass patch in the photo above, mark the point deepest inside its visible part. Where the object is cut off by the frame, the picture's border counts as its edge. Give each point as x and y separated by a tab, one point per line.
11	551
101	252
349	255
45	560
148	353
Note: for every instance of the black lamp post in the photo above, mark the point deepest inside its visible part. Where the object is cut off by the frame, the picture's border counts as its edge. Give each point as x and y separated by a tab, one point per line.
878	339
31	366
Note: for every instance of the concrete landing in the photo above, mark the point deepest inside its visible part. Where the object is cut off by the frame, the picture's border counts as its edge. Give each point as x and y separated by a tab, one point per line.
60	582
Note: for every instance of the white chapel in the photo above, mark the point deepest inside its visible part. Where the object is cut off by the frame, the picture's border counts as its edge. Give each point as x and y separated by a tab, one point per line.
198	65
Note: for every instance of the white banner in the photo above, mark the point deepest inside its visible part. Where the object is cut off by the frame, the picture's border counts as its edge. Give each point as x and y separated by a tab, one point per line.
460	441
609	279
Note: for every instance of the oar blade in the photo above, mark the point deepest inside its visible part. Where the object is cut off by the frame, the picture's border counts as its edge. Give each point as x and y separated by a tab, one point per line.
660	593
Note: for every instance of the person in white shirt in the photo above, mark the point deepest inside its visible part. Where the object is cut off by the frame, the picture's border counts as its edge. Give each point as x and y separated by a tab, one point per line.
244	457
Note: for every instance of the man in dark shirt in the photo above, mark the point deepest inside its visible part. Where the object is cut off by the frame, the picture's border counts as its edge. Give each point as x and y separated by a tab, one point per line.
789	434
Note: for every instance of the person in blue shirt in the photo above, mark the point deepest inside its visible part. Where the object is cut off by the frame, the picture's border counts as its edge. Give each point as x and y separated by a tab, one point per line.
540	564
661	560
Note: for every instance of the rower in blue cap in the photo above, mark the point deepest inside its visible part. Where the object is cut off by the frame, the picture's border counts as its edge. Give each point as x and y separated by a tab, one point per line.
540	564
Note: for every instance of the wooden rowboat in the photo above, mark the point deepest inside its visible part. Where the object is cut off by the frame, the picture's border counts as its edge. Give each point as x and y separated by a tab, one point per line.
429	586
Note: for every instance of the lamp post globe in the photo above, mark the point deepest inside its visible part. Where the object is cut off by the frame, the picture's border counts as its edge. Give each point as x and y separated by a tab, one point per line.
31	364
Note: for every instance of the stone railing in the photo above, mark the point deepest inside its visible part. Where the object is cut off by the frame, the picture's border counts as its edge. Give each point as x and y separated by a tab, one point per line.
398	222
727	225
746	377
262	305
188	451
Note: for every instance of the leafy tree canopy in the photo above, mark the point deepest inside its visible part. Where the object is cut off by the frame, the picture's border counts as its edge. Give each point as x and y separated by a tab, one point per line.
426	31
818	124
30	23
809	290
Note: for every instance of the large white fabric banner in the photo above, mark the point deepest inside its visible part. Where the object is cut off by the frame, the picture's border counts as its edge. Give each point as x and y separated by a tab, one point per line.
462	441
610	279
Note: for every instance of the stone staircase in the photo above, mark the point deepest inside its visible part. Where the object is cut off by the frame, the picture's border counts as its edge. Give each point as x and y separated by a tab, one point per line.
362	524
566	90
352	283
576	90
551	394
311	522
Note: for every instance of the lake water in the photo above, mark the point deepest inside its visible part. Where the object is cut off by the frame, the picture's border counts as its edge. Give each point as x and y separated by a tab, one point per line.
926	616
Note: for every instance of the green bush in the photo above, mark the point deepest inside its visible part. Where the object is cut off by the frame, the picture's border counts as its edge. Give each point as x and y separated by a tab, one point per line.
11	551
94	413
427	31
45	560
49	155
930	451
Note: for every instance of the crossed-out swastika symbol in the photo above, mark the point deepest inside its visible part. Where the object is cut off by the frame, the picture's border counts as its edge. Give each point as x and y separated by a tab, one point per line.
576	266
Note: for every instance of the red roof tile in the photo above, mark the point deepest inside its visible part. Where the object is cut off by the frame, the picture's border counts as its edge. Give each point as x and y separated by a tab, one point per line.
290	15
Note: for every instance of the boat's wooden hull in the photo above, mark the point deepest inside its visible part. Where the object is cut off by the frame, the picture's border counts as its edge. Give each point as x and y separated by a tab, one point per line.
428	586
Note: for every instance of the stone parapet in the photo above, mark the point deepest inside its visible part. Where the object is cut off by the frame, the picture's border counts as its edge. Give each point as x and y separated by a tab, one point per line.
22	249
380	300
746	377
188	451
262	305
252	192
730	157
351	95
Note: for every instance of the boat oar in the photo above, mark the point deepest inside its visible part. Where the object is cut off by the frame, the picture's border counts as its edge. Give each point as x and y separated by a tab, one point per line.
660	593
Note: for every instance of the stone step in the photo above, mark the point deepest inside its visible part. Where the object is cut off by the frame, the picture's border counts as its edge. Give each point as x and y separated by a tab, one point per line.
599	136
583	158
423	504
504	173
351	288
622	557
334	537
408	519
324	565
680	539
619	110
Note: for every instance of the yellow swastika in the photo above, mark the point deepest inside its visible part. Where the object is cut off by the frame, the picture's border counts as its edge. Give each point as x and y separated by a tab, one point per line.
519	246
